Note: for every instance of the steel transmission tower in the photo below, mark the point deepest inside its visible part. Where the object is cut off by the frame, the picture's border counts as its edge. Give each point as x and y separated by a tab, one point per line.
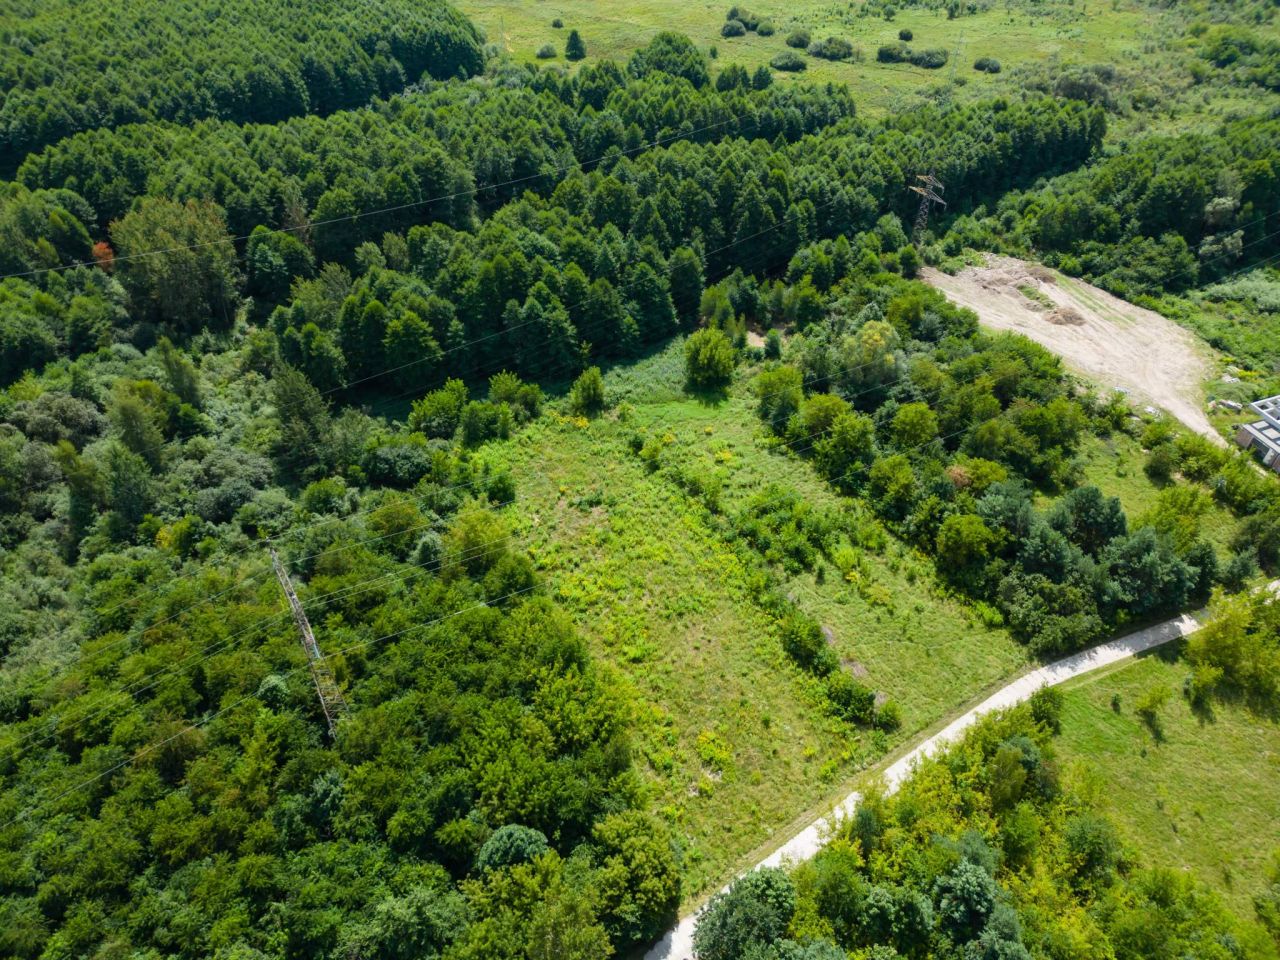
331	699
930	187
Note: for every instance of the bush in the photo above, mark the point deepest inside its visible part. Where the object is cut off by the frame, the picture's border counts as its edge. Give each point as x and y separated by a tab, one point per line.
437	413
901	53
1160	464
557	23
987	65
1046	708
586	397
832	48
733	28
766	28
799	39
930	59
803	641
709	360
743	16
905	35
546	52
483	420
894	53
889	717
850	700
788	61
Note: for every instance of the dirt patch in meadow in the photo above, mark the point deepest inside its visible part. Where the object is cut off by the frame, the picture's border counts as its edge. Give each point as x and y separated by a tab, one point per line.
1100	336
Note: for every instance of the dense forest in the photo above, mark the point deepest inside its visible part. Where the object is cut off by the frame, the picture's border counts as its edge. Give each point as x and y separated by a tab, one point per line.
296	322
61	73
1164	214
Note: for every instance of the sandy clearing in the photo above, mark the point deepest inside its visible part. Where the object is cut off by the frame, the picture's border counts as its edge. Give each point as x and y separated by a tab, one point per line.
677	944
1098	335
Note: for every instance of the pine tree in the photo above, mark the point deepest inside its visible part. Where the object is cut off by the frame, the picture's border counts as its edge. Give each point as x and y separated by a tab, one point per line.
574	48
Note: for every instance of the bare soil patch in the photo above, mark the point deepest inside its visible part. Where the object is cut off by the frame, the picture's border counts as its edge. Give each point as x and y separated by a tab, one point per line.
1101	336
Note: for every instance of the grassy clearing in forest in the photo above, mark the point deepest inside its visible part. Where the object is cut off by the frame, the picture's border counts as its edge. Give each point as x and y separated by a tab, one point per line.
1115	466
1204	797
1135	35
734	740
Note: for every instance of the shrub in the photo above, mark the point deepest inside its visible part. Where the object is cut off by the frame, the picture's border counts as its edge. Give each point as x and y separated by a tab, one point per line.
524	399
586	397
894	53
799	39
901	53
437	413
850	700
743	16
709	360
766	28
1046	708
832	48
905	35
483	420
1160	464
546	52
929	59
889	717
557	23
803	641
987	65
788	61
733	28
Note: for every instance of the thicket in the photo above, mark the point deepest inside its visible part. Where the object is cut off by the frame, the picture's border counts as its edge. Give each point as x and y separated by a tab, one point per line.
948	432
61	72
989	850
901	52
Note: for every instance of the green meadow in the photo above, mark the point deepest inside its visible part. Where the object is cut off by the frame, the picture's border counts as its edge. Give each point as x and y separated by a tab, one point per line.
1031	40
1196	792
734	741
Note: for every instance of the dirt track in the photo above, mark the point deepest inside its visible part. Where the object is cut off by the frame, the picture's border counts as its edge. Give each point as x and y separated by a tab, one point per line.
1100	336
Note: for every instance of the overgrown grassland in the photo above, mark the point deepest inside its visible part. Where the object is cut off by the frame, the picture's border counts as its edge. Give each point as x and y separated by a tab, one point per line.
1143	37
1115	465
1204	797
736	741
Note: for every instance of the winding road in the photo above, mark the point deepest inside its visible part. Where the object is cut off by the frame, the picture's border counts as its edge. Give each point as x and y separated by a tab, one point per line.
677	944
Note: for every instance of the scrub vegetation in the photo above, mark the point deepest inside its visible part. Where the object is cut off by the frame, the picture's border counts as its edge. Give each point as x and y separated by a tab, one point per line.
640	496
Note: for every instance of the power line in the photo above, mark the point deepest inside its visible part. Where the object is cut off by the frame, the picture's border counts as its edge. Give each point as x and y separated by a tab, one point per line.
395	208
130	638
213	649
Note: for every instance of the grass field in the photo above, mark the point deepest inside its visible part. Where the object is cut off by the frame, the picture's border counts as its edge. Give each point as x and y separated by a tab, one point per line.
734	741
1146	38
1204	797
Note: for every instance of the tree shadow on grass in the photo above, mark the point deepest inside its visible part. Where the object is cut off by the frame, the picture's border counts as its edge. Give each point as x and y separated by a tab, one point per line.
707	396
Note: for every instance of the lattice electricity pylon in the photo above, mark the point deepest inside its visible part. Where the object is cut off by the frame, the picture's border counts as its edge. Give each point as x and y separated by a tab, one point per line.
331	700
930	190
